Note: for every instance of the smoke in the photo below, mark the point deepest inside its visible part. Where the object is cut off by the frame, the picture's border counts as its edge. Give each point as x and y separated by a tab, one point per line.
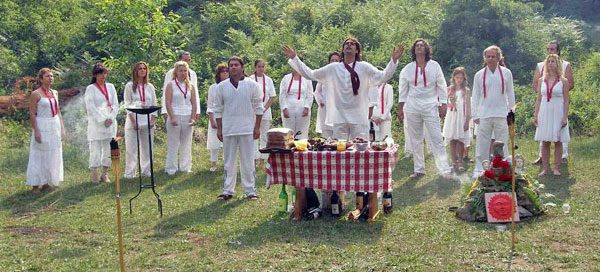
75	122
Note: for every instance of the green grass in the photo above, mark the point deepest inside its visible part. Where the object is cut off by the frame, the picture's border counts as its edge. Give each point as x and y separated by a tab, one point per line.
73	228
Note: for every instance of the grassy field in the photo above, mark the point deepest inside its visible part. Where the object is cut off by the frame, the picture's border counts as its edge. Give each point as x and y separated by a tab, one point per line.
73	228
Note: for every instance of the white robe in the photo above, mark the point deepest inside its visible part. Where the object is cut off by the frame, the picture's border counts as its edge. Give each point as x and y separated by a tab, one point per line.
295	99
382	100
268	91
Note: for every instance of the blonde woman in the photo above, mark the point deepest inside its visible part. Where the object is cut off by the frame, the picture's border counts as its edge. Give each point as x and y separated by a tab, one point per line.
456	125
551	111
138	92
102	107
181	116
45	166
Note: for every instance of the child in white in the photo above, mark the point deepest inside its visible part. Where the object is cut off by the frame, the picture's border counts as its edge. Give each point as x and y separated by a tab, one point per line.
456	125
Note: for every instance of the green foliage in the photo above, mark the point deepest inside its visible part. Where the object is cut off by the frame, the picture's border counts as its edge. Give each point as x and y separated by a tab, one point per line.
137	30
584	109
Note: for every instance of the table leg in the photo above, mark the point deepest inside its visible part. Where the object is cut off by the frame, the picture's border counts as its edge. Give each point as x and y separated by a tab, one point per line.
373	207
300	204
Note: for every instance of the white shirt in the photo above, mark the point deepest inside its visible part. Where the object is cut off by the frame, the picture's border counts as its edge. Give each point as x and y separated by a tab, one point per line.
133	98
210	100
98	111
181	98
421	98
267	91
290	99
382	98
238	107
343	106
495	103
169	77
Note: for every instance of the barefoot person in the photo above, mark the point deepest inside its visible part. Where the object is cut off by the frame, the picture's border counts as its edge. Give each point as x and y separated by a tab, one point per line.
456	125
421	88
551	111
553	47
238	110
102	106
493	97
45	166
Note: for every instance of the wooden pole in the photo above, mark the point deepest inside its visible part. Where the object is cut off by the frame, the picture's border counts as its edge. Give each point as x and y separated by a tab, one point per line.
116	163
511	131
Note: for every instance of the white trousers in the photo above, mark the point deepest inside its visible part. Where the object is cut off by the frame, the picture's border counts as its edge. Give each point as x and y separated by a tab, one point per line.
179	142
297	122
246	146
383	129
487	126
265	125
131	148
350	131
416	122
99	153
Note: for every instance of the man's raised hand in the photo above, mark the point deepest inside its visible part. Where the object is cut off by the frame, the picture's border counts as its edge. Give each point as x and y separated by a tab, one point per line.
288	51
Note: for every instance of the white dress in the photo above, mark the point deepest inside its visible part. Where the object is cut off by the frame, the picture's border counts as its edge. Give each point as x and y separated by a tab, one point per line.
550	116
45	159
455	120
212	142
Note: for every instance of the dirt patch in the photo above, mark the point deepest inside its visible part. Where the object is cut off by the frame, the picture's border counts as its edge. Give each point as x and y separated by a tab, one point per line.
197	241
27	230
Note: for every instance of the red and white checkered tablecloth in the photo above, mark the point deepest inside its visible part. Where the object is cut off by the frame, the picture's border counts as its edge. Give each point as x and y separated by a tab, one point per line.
350	171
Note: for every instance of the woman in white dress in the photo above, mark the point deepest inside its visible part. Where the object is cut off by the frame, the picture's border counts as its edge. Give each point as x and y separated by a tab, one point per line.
45	167
182	113
551	112
102	106
295	99
456	125
212	142
138	92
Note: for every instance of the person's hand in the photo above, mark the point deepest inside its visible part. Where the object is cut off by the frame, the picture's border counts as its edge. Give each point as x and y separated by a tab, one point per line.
135	125
466	125
213	123
322	105
173	122
305	112
288	51
401	115
476	121
377	120
38	136
152	122
108	122
564	122
443	108
397	53
192	121
256	133
220	134
286	113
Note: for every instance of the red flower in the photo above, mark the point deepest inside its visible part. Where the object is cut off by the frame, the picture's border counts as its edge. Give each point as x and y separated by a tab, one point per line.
489	174
497	162
505	177
506	165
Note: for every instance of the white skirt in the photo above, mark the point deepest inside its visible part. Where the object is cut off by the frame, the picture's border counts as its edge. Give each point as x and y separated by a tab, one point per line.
45	164
550	127
454	126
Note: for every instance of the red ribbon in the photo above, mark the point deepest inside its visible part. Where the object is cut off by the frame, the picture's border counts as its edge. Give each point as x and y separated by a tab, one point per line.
105	93
53	106
484	75
264	85
353	77
142	92
549	90
299	85
422	72
181	90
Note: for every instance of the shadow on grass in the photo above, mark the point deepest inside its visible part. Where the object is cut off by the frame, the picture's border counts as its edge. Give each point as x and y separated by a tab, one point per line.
325	231
24	202
204	215
415	191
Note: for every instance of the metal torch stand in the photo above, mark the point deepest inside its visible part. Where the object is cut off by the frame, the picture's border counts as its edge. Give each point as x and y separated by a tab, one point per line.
152	184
